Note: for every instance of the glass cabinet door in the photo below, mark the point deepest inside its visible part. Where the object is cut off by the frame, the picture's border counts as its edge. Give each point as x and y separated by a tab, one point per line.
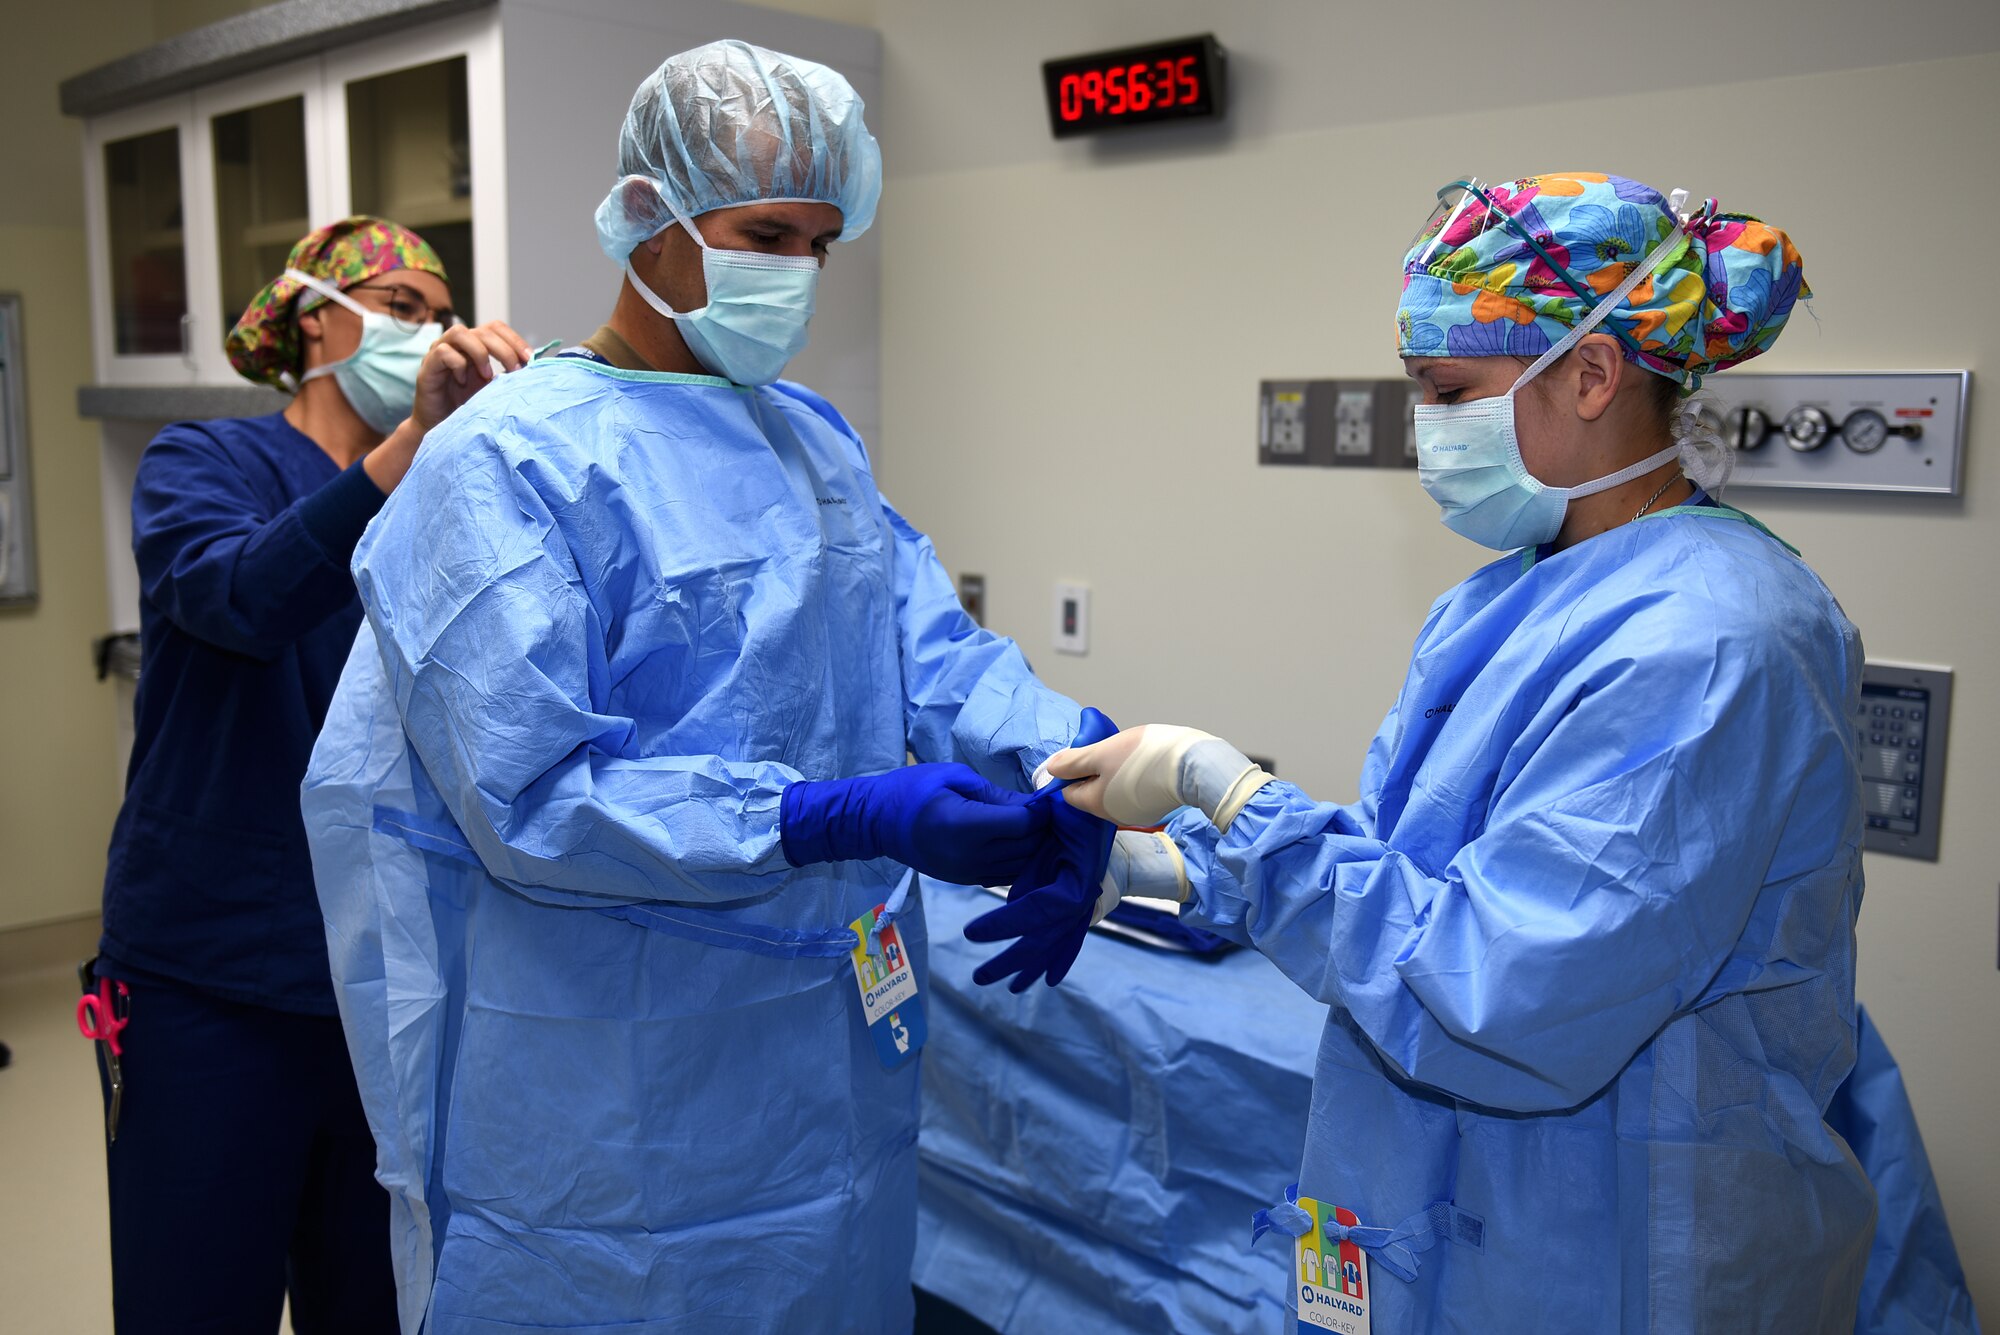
409	161
261	205
145	213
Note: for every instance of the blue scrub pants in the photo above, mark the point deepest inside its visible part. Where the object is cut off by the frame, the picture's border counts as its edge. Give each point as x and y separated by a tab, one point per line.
243	1169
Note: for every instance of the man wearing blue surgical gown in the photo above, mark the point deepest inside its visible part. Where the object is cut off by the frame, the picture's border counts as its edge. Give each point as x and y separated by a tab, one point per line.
588	913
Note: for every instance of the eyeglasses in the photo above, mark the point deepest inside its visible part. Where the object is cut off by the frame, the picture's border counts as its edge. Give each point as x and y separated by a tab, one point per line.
1464	211
407	308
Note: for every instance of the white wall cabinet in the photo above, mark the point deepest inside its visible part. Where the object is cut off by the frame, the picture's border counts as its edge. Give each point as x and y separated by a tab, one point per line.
488	126
194	201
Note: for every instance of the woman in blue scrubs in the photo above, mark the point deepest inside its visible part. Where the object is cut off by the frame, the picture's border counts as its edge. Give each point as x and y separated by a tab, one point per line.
1587	936
240	1165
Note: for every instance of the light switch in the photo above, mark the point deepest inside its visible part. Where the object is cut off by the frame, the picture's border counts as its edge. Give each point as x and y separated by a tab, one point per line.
1072	627
972	597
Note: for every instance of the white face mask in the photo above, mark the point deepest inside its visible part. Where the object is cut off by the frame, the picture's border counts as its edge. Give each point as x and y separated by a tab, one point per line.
1469	454
758	308
379	378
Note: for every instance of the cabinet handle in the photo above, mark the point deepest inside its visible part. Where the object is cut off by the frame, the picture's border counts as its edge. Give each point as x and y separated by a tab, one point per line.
187	341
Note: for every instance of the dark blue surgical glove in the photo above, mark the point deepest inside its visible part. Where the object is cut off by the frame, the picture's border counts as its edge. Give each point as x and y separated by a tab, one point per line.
942	820
1050	907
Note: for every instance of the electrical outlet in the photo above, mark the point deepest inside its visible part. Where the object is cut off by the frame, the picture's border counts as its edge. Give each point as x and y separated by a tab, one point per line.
1281	421
1354	421
1337	423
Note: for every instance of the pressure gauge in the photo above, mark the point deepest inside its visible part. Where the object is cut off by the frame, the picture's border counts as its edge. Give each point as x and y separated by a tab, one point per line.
1748	428
1864	430
1807	428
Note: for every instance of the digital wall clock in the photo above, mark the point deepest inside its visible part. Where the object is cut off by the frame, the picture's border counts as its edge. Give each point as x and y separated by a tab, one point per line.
1136	85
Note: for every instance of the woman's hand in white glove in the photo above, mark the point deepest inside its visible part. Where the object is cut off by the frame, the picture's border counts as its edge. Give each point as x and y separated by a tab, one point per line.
1142	775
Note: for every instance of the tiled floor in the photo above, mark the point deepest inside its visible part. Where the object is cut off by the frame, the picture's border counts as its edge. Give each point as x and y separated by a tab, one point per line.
55	1250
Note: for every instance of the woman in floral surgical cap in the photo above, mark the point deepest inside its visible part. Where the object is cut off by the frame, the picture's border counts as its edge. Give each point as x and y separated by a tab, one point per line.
241	1169
1587	935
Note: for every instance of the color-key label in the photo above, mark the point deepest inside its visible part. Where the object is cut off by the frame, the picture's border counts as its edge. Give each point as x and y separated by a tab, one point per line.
1330	1274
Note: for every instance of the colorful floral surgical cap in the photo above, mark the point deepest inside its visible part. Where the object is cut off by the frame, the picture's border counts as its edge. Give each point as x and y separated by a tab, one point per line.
1484	292
264	345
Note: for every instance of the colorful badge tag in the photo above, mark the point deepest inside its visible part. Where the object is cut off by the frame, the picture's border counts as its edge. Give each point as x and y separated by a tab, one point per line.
1331	1275
888	983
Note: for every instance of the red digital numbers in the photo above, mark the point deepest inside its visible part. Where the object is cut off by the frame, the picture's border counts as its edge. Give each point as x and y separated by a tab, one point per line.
1125	90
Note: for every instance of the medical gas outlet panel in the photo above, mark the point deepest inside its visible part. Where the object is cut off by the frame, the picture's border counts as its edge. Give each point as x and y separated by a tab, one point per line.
1843	431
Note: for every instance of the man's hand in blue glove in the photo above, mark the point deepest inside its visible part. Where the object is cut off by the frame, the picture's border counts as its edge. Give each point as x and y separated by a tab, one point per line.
1051	907
943	820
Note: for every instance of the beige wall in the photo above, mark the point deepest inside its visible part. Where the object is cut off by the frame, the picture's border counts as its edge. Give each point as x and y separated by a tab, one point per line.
58	768
59	777
861	13
1073	337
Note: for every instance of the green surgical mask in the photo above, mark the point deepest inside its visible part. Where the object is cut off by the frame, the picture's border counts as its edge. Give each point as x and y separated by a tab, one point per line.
380	377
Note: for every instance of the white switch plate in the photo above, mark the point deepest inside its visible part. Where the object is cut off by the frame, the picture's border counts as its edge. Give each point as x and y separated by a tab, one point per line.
1072	620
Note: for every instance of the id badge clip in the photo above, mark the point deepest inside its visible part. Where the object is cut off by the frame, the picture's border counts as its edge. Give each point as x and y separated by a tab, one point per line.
888	985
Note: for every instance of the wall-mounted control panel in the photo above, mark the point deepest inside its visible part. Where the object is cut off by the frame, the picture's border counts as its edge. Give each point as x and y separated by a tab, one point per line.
1861	431
1337	423
1899	728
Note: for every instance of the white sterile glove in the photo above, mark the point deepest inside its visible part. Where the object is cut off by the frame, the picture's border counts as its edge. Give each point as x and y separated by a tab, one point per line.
1144	865
1144	774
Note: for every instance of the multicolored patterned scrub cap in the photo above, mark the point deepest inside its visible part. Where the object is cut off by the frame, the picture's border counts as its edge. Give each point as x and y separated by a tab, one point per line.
264	345
1482	291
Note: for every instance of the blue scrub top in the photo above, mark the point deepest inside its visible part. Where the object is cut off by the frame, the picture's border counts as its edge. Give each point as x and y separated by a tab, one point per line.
243	529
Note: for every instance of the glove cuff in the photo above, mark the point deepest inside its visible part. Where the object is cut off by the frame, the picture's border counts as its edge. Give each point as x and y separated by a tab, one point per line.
1144	865
1248	784
802	846
822	821
1218	778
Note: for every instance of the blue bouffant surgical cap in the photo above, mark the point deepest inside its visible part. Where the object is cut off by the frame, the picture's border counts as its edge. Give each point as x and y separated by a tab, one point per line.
730	123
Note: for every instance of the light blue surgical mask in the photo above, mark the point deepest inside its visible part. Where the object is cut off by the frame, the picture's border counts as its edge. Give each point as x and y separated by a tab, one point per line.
758	308
1469	454
380	378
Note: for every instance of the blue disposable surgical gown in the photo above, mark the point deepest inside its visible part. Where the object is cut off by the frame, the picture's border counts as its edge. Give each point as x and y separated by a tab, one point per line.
1915	1284
1587	939
610	615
